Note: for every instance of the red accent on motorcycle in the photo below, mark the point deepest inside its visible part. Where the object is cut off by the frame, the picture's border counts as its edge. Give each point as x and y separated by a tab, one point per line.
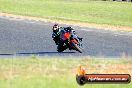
66	35
75	41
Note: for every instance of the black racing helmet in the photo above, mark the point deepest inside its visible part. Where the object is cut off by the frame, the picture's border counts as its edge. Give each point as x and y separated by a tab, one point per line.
55	27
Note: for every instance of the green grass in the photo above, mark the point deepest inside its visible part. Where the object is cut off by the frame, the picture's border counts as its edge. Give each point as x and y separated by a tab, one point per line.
53	72
112	13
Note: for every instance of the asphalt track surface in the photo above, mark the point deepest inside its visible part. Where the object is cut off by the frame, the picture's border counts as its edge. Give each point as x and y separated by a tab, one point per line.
29	37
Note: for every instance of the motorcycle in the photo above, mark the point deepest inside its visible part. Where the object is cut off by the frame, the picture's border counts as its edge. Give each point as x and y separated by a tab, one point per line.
71	42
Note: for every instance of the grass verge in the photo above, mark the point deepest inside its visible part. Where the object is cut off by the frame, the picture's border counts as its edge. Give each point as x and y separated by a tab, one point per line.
53	72
111	13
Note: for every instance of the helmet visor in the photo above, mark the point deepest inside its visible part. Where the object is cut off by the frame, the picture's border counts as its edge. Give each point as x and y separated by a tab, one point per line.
55	28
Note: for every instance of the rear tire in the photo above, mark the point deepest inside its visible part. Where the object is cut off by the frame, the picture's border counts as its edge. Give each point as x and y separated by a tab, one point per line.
60	49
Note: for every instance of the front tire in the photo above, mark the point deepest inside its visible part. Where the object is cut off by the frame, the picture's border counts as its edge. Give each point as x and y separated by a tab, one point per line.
77	48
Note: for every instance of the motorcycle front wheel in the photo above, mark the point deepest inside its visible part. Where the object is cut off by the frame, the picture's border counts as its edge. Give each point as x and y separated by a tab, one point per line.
77	48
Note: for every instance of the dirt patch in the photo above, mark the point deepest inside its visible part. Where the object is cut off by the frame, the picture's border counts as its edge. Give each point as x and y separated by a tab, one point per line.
74	23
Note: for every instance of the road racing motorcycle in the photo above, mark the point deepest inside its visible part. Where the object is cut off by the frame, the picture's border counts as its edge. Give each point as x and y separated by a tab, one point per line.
69	41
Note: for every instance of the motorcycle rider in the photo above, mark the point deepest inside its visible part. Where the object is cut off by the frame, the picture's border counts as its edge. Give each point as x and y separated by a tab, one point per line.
58	32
